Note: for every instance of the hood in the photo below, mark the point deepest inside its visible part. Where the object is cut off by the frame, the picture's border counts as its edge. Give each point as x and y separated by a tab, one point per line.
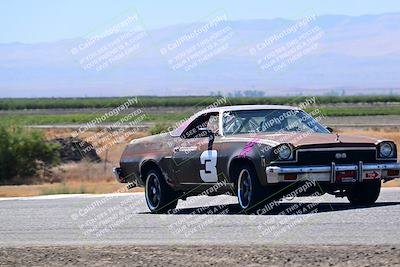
308	139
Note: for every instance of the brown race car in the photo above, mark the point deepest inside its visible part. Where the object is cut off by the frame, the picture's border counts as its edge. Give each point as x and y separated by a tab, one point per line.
255	152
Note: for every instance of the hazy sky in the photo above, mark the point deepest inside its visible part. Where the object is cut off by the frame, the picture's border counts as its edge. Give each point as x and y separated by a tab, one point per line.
32	21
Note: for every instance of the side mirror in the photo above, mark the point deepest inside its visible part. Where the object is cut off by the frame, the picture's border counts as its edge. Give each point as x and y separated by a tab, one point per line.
329	129
207	132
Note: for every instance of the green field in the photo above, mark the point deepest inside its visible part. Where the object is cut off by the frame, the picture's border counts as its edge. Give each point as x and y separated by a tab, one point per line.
347	106
82	118
147	101
172	117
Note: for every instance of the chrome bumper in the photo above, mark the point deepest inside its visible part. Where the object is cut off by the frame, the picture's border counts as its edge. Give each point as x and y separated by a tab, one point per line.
365	171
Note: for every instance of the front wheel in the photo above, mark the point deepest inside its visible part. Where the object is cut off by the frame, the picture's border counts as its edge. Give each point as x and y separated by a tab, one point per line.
365	193
249	190
160	198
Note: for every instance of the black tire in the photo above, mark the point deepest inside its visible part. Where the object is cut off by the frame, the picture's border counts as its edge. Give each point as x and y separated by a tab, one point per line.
248	188
160	198
365	193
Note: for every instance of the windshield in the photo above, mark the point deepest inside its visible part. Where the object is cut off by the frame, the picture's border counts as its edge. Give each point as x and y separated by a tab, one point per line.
270	121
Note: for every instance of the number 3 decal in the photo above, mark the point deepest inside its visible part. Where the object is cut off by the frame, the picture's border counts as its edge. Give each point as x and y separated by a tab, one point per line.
209	159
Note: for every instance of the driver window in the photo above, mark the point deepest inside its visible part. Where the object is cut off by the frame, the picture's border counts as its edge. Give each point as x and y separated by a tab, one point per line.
208	120
234	124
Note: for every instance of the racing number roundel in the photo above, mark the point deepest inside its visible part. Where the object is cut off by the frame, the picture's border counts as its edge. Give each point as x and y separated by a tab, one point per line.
209	159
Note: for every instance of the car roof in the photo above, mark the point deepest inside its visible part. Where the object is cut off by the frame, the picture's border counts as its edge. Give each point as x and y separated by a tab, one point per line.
178	131
247	107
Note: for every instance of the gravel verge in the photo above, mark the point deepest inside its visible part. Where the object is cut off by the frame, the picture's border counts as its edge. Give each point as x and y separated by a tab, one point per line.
338	255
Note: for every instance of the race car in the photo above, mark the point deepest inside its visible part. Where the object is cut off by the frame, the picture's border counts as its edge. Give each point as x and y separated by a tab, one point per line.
255	152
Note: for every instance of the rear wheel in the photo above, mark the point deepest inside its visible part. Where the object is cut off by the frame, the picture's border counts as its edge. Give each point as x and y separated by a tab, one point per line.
160	198
365	193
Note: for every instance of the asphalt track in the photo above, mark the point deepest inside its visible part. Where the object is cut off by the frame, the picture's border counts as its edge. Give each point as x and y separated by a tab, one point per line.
123	219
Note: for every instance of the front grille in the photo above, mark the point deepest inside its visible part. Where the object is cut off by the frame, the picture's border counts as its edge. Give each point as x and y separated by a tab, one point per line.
310	157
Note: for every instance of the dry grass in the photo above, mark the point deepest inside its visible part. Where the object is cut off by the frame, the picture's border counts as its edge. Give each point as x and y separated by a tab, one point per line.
81	177
83	172
114	151
73	187
88	171
378	133
88	177
393	183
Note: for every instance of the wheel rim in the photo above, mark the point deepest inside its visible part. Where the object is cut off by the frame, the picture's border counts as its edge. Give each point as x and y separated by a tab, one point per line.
245	189
153	191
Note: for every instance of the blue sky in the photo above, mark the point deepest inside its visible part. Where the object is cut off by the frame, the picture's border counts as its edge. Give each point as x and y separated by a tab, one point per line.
32	21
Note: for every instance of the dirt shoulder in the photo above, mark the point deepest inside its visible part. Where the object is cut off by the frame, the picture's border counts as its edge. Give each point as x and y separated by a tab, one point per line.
74	187
341	255
97	178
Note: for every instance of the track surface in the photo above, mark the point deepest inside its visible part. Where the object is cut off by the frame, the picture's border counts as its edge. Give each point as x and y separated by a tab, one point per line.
124	219
117	229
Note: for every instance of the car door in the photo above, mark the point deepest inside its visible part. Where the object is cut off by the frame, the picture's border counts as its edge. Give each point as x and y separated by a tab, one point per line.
194	162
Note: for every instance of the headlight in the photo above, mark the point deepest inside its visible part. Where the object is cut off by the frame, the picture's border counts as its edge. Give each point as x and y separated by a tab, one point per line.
386	150
284	152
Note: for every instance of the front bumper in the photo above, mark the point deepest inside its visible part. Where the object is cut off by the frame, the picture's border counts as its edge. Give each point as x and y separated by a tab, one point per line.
334	173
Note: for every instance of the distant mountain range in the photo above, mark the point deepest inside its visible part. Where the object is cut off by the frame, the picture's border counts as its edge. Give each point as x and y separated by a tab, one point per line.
351	55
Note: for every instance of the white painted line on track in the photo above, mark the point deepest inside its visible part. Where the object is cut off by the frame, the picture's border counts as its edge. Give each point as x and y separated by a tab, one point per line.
62	196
